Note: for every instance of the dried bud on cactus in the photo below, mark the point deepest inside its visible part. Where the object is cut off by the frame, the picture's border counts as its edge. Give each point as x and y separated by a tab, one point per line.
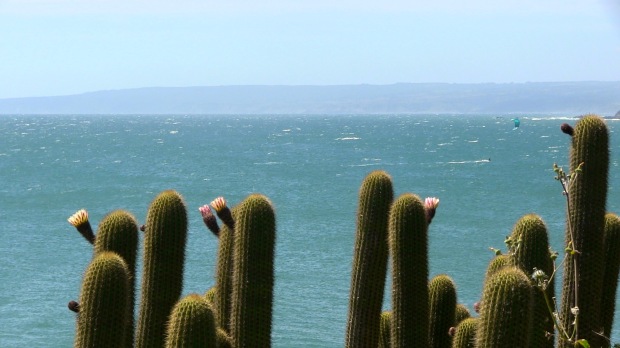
567	129
477	307
452	331
74	306
209	219
79	220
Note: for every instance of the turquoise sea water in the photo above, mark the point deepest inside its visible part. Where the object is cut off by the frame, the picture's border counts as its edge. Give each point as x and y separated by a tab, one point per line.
310	167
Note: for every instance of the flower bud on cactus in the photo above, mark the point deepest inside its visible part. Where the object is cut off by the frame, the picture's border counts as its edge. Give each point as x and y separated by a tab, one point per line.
430	205
79	220
223	212
209	219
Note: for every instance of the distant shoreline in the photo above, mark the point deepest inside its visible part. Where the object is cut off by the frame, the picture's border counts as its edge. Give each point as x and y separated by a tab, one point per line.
562	98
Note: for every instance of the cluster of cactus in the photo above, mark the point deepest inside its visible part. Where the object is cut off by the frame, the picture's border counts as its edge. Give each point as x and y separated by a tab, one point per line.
517	308
239	316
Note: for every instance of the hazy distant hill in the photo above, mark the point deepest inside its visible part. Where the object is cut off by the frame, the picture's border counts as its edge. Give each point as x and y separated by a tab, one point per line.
569	98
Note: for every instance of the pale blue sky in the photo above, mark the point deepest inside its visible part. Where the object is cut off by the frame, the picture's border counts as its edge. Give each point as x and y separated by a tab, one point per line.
72	46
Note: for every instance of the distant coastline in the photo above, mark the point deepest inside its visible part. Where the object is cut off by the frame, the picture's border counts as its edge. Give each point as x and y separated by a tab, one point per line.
562	98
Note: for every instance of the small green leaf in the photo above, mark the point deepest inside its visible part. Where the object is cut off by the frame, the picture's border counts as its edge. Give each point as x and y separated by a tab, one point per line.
582	343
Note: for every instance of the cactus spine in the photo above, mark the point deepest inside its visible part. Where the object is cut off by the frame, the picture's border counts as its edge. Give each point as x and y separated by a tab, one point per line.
586	208
162	277
104	300
442	308
118	232
370	259
253	277
506	315
612	266
465	334
530	250
191	324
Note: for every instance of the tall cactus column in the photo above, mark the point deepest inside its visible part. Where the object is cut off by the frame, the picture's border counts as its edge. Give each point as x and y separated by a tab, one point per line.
370	258
442	310
409	249
586	221
612	267
253	277
162	277
104	298
118	232
506	314
224	269
531	251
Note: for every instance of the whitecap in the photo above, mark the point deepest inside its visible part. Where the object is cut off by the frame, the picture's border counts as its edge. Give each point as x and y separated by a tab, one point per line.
348	138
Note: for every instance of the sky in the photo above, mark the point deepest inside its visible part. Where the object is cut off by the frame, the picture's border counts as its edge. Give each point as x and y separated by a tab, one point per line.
62	47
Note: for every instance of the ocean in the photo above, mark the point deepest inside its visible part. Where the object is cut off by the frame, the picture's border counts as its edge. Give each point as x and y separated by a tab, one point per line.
485	173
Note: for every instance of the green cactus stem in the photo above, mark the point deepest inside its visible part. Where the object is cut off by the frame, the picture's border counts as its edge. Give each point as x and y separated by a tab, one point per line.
530	252
461	313
223	275
385	330
612	266
506	310
118	232
253	276
465	334
370	257
162	276
408	246
442	309
498	262
104	299
191	324
210	295
223	339
587	195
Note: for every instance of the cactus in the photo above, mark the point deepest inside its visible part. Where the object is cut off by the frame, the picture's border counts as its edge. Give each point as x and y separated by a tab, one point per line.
385	330
586	220
223	272
530	252
497	263
118	232
612	265
223	339
461	313
465	334
506	313
253	276
191	324
209	296
409	250
104	299
162	276
442	308
370	259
